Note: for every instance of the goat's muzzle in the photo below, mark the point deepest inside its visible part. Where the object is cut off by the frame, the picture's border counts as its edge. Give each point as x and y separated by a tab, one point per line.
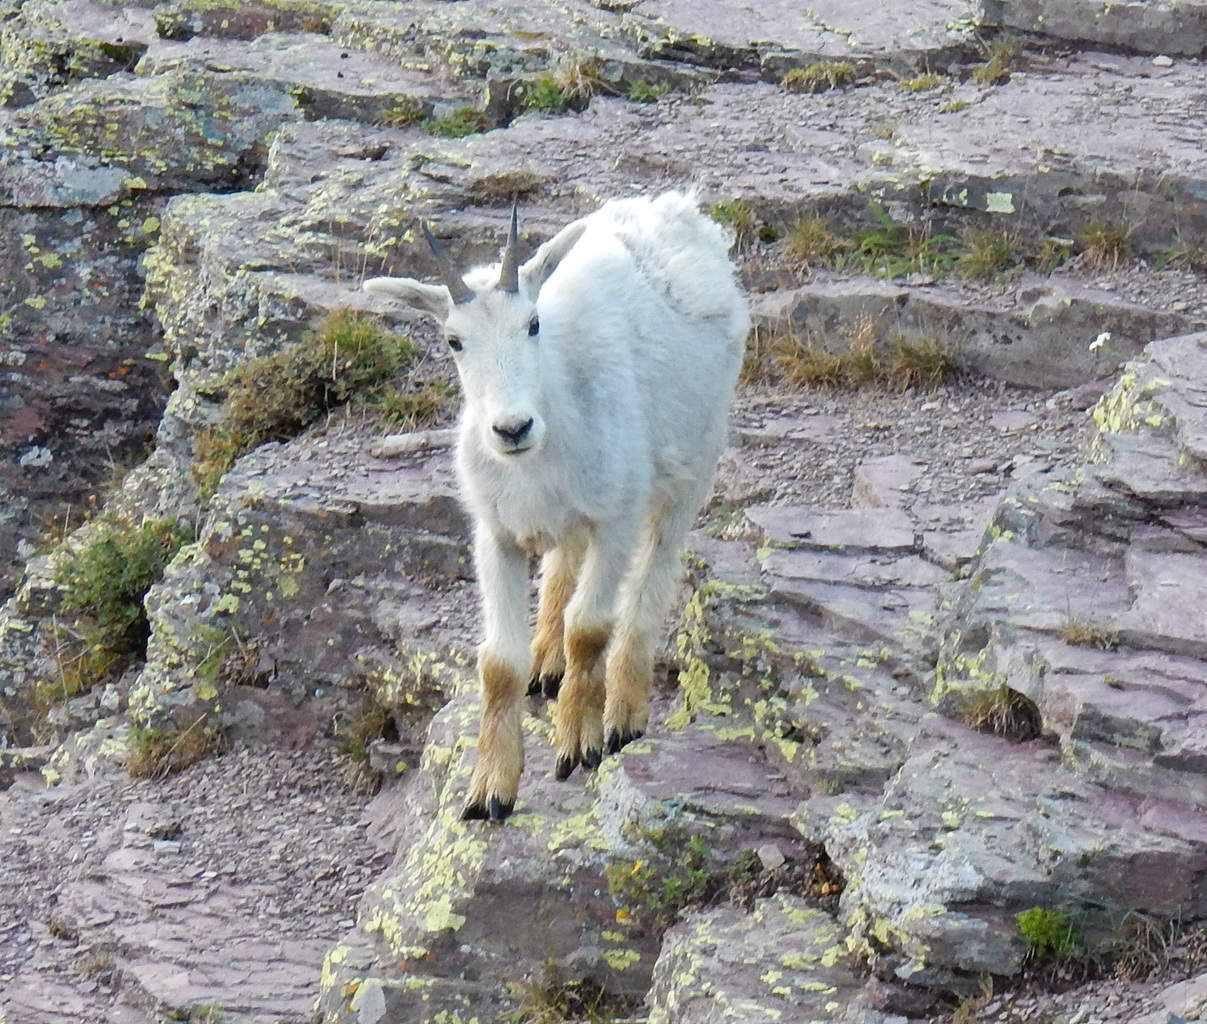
513	435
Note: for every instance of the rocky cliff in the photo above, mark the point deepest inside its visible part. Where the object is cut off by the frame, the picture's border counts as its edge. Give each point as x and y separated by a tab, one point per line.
932	718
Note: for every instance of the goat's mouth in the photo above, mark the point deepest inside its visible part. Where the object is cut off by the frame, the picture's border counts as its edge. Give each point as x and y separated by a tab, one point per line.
516	449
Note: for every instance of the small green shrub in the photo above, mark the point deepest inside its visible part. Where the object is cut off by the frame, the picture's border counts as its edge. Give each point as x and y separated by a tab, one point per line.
738	216
642	91
461	122
545	94
679	873
103	625
1001	58
819	76
1050	933
275	397
158	753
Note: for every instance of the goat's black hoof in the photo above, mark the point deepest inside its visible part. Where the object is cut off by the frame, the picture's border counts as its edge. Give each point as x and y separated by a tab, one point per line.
499	810
592	758
474	812
617	739
565	765
550	684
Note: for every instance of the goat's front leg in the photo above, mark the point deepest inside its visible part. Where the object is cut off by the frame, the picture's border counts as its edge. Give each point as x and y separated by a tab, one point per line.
503	666
588	619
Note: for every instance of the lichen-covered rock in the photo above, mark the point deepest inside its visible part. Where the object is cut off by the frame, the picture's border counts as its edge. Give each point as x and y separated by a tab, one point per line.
785	960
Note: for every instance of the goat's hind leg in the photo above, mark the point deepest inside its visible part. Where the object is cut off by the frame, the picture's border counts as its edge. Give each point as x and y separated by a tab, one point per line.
559	574
645	596
502	668
578	737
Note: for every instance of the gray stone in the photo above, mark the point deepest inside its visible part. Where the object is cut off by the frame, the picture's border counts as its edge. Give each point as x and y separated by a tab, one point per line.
1150	28
879	483
888	530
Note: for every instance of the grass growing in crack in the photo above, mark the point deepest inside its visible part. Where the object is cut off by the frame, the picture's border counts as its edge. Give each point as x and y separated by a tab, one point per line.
953	106
457	124
680	872
355	731
545	94
811	243
275	397
1105	244
1081	633
738	216
924	363
406	112
1002	712
158	753
1050	934
642	91
986	252
1001	58
104	625
416	408
819	76
554	999
921	83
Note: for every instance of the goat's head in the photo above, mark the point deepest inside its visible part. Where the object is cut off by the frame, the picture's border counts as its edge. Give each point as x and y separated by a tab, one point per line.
494	331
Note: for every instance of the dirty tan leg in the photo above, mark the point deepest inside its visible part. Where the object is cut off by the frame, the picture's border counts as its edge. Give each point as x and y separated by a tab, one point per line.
559	574
579	735
645	597
502	669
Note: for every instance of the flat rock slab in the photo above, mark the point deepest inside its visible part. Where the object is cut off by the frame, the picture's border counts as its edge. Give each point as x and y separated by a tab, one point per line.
1023	335
770	35
1164	28
856	529
784	960
1169	609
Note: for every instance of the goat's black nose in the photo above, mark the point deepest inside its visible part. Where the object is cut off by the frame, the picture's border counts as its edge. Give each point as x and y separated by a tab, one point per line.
513	433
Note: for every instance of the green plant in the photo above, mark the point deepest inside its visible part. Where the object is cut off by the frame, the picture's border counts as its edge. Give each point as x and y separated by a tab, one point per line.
579	77
891	250
406	112
1001	58
1105	244
819	76
1050	933
157	753
104	624
556	1000
680	872
545	94
811	243
274	397
206	1013
414	408
1002	712
1080	633
986	252
460	122
1052	252
953	106
355	731
738	216
921	83
642	91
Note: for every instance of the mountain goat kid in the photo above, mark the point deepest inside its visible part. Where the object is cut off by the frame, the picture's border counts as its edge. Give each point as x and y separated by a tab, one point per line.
597	379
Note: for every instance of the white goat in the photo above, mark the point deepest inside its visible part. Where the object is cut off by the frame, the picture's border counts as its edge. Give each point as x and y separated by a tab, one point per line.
597	379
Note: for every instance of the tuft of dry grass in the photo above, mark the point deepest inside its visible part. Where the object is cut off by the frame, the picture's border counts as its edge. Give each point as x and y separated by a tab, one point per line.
921	83
1105	244
1003	712
1001	57
158	753
819	76
1080	633
987	252
811	243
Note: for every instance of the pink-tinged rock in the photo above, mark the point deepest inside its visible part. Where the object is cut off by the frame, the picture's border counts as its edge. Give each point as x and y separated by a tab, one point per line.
805	526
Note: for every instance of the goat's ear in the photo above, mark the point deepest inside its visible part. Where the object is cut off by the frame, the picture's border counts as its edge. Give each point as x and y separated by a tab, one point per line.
431	298
538	270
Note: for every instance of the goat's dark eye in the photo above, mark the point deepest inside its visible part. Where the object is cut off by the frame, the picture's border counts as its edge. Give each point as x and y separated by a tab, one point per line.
454	342
534	327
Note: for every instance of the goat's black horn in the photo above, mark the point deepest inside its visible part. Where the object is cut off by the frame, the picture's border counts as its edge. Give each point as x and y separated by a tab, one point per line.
509	275
458	290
